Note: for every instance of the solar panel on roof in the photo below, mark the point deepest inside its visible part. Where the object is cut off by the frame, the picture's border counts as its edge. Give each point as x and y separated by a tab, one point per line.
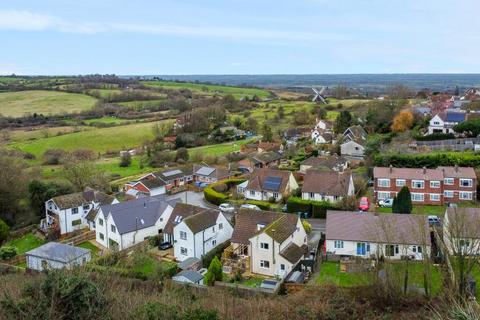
455	116
205	171
272	183
172	173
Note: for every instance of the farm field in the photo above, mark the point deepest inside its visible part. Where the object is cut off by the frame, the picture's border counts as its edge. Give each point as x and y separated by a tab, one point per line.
106	120
39	133
102	140
238	92
140	104
17	104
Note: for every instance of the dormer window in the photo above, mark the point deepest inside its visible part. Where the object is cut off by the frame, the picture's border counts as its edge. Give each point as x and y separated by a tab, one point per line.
260	226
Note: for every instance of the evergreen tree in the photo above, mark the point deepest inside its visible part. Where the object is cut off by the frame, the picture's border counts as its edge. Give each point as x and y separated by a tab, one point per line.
267	133
214	273
402	202
344	120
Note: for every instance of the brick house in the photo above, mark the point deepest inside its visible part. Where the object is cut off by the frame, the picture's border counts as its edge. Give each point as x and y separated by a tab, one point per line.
427	186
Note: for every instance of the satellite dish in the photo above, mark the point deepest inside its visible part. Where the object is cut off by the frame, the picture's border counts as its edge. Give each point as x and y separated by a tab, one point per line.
318	95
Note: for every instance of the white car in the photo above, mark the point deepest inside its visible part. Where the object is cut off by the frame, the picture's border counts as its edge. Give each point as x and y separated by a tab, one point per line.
433	219
226	207
387	203
250	206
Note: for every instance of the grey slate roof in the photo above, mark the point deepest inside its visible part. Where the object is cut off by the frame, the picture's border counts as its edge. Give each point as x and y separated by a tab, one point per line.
188	263
58	251
193	276
137	214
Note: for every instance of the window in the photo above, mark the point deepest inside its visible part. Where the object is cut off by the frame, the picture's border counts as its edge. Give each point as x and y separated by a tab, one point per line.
275	195
252	193
418	184
76	222
400	182
383	195
385	183
220	226
101	236
448	194
264	264
338	244
416	249
436	123
434	197
448	181
113	228
183	235
183	251
434	184
100	221
466	182
391	250
74	210
214	243
282	267
264	245
465	195
213	229
312	195
86	207
417	197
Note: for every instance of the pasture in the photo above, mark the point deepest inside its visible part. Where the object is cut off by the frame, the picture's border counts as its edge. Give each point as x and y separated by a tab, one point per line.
18	104
210	89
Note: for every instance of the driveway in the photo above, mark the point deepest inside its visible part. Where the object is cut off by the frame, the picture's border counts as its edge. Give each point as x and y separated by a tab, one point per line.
193	198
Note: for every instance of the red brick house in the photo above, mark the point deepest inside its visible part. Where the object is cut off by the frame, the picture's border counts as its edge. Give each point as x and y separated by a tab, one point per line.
427	186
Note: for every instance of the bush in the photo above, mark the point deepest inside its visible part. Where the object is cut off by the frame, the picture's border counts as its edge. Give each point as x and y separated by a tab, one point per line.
200	314
125	160
53	156
429	160
215	197
4	231
315	209
155	311
261	204
7	252
215	252
214	273
154	241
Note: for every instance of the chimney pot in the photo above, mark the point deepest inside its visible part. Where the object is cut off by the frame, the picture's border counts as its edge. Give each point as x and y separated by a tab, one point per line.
391	168
424	170
456	168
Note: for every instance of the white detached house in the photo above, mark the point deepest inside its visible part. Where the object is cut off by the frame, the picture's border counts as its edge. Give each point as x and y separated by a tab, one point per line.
125	224
265	184
197	234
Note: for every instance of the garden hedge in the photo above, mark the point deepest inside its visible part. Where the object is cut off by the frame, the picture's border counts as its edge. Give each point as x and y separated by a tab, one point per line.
435	136
217	251
218	198
264	205
315	209
429	160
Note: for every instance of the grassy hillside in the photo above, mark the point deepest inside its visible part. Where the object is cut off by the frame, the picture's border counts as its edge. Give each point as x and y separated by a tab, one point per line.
17	104
238	92
100	140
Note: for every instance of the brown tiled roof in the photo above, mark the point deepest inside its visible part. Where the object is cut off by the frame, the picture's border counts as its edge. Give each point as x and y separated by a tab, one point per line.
407	173
182	210
458	172
293	252
463	222
258	177
408	229
330	183
327	161
282	228
269	146
267	156
202	220
247	221
78	199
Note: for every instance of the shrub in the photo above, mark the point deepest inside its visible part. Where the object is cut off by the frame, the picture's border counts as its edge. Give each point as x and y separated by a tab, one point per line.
402	203
155	311
4	231
125	160
7	252
215	197
429	160
154	241
315	209
53	156
215	252
215	272
221	187
261	204
200	314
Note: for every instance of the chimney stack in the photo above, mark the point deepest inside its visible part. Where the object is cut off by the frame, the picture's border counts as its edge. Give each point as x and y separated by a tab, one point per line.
391	168
456	168
424	170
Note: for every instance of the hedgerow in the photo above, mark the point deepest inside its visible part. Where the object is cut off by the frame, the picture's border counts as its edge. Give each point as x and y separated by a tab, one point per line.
315	209
433	160
216	197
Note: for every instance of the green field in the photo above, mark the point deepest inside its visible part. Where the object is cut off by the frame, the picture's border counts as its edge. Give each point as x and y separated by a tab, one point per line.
209	89
102	140
24	135
106	120
17	104
425	210
25	243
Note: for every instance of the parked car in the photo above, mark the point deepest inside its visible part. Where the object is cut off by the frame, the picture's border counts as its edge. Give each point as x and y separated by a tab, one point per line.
226	207
250	206
433	219
165	246
387	203
364	204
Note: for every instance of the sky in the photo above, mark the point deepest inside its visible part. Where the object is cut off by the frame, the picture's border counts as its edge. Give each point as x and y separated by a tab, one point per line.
140	37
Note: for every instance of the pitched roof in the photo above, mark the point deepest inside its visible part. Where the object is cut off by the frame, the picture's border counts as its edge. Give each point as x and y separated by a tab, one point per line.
260	179
327	182
407	173
357	132
267	156
188	263
282	228
92	214
202	220
193	276
458	172
208	171
292	252
326	161
137	214
384	228
78	199
180	212
152	183
464	222
269	146
58	252
247	221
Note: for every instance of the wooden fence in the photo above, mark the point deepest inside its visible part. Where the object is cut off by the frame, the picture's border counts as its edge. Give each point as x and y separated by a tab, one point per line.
75	240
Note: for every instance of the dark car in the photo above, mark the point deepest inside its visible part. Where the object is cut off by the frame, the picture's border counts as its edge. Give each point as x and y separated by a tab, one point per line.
165	246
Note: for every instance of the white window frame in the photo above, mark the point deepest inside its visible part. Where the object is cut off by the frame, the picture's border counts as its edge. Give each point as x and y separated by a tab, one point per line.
183	251
461	195
433	196
113	228
449	181
381	181
400	182
382	195
275	195
75	210
470	183
338	244
264	264
448	193
183	235
418	194
252	193
422	182
264	246
100	221
435	184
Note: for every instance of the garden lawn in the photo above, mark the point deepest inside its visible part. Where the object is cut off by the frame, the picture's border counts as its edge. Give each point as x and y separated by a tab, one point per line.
17	104
330	273
25	243
417	209
88	245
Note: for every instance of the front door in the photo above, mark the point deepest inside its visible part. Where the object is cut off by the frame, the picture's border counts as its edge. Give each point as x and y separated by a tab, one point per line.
361	248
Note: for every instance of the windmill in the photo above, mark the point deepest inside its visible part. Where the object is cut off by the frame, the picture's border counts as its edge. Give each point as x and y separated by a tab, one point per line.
318	97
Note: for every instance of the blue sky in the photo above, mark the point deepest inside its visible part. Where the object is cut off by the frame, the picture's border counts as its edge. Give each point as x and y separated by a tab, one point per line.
239	36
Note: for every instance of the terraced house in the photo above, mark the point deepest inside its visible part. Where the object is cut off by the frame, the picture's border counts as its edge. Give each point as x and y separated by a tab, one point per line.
427	186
